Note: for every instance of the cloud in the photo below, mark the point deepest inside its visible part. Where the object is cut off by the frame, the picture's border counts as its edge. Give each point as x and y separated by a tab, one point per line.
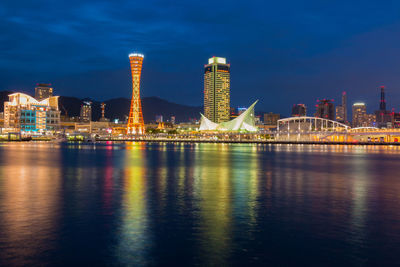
288	51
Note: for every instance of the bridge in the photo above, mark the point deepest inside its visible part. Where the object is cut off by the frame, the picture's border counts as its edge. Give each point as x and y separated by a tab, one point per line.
311	129
304	129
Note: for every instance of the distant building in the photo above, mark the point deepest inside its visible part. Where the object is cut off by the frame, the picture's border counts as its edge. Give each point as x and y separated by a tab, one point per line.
370	120
299	110
271	118
159	118
340	114
28	114
384	118
344	107
396	120
43	90
325	109
359	115
217	90
240	110
86	112
173	120
360	118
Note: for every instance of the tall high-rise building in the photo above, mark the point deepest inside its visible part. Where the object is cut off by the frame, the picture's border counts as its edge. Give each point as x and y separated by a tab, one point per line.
341	110
43	90
325	109
359	115
299	110
384	118
135	120
217	90
86	111
382	103
344	107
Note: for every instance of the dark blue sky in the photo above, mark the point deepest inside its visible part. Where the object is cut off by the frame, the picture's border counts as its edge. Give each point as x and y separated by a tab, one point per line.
281	52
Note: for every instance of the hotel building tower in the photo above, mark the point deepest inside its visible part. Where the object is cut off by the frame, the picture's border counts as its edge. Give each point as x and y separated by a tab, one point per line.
217	90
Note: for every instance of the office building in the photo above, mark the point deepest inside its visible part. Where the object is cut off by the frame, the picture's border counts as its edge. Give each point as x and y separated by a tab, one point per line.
27	114
341	110
340	114
43	90
325	109
299	110
344	107
271	118
86	111
135	123
359	113
217	90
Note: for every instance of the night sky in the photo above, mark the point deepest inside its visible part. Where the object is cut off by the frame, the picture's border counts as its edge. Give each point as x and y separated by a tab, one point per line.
281	52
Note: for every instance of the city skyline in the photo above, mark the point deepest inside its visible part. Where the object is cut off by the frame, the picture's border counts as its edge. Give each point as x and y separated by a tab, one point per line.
312	53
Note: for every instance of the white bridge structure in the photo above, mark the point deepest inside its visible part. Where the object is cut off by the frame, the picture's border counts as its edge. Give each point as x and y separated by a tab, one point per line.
311	129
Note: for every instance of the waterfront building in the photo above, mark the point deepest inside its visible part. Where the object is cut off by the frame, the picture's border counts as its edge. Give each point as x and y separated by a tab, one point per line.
43	90
244	122
359	112
217	90
271	118
299	110
86	111
27	114
384	118
325	109
135	123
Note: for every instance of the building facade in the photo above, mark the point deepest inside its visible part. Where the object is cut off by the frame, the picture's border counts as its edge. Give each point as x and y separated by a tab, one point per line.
27	114
299	110
339	117
359	112
217	90
43	91
271	118
325	109
86	112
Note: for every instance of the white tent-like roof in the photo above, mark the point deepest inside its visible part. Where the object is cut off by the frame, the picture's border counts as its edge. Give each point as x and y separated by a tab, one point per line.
244	121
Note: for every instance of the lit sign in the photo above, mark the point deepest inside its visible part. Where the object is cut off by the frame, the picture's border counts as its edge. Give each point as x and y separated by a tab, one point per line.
219	60
136	55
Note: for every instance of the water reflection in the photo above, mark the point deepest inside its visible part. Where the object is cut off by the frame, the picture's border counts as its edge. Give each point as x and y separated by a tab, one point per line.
30	181
134	231
205	204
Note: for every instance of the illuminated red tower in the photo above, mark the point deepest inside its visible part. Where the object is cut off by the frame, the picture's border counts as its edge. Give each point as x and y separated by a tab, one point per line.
135	120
